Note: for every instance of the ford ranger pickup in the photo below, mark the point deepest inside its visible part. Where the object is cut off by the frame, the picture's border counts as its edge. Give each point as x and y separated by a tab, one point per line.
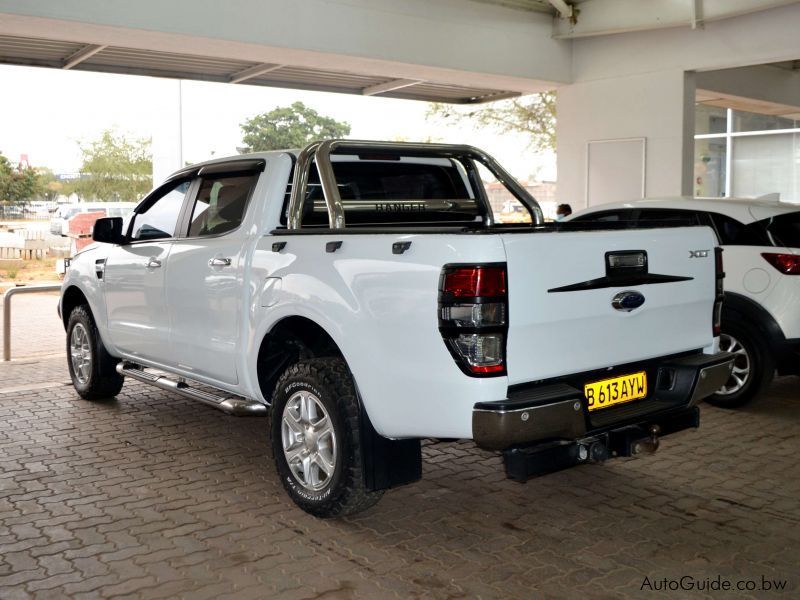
367	295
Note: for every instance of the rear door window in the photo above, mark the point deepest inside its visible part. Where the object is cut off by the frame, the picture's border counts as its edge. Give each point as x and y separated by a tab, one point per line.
735	233
220	205
784	229
673	216
609	216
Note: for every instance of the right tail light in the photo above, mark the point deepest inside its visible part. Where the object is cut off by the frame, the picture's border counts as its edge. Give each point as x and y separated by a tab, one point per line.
473	317
788	264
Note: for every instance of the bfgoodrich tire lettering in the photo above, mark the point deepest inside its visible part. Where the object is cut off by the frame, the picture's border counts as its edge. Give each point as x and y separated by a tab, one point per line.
327	434
91	368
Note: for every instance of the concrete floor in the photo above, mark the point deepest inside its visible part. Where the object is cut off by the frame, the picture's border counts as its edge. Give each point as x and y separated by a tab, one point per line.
153	496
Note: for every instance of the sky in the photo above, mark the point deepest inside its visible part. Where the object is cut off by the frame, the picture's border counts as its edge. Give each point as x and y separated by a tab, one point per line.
44	113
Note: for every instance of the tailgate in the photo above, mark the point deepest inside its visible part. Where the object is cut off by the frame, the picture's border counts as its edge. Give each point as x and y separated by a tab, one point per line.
561	317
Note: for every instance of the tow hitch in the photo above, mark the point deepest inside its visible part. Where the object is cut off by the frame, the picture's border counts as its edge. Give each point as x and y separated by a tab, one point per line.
525	462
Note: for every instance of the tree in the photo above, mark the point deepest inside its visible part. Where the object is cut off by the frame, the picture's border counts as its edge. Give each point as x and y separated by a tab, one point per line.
290	127
534	115
50	187
18	185
114	168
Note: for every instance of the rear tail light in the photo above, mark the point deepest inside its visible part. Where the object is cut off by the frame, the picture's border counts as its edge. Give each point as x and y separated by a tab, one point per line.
472	282
788	264
473	317
719	291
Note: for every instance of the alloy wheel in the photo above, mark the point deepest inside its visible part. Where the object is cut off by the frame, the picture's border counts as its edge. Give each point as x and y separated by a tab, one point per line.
80	353
742	365
309	443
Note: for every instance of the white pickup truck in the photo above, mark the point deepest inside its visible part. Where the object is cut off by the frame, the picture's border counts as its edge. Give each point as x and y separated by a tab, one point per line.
365	296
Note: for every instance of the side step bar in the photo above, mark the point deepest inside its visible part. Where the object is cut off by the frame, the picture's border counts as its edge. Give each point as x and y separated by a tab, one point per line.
234	405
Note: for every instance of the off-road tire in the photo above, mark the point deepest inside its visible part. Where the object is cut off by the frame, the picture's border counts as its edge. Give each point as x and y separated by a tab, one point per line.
102	380
762	366
330	381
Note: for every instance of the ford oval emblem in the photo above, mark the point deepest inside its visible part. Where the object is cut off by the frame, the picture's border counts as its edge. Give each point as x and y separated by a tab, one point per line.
627	301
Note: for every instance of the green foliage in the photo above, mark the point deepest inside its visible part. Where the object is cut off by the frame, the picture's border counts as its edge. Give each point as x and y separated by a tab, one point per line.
50	187
290	127
533	115
18	184
114	168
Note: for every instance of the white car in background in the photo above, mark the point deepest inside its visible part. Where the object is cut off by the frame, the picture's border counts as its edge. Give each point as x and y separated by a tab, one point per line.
761	311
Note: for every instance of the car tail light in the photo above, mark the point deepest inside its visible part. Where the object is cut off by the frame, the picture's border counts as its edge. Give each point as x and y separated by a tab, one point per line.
473	317
719	291
788	264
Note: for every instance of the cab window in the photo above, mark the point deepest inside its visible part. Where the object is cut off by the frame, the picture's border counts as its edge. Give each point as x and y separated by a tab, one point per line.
220	205
159	219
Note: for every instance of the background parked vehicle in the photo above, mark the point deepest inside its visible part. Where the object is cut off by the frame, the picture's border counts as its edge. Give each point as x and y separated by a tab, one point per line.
761	311
59	223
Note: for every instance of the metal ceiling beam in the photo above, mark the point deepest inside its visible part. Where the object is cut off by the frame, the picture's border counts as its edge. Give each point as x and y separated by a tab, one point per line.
604	17
253	71
81	55
565	10
389	86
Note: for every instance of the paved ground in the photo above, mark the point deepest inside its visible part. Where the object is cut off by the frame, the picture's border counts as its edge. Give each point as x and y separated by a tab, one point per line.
35	327
153	496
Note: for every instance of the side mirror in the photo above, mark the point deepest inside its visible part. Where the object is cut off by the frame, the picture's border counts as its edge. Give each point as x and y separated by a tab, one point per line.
108	230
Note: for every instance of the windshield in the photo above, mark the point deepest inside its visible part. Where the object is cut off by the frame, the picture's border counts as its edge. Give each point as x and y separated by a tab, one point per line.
785	229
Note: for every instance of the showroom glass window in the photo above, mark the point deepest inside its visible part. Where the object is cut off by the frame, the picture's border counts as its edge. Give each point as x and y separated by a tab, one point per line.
739	153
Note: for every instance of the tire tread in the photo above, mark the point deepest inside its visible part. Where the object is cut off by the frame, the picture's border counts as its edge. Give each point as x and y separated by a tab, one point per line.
104	382
333	373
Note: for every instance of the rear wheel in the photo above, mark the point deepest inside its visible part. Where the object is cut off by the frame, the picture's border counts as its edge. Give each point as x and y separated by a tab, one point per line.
92	369
316	439
753	366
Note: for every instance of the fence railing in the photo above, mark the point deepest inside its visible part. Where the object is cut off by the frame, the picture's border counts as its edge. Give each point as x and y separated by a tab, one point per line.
33	289
16	214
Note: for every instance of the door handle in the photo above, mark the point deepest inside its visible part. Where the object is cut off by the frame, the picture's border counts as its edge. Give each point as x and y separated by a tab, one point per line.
153	263
219	262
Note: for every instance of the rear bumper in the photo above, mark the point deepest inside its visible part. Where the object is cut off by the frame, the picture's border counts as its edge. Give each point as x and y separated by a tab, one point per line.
558	411
524	462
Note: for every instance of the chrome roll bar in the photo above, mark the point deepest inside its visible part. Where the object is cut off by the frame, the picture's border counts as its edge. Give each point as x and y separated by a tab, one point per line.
319	153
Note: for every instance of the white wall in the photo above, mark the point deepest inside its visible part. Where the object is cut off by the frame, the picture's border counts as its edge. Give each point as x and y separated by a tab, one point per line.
757	38
654	106
642	84
450	41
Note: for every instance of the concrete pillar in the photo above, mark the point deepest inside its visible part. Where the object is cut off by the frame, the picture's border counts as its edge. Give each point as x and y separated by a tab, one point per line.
167	133
600	125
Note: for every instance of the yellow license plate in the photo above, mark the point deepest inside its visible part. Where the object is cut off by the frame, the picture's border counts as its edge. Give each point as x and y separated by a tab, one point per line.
616	390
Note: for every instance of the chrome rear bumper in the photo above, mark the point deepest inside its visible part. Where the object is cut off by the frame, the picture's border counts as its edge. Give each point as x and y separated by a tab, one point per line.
558	411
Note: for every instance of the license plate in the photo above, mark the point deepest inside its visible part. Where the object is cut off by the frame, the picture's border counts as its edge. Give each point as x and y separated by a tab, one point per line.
616	390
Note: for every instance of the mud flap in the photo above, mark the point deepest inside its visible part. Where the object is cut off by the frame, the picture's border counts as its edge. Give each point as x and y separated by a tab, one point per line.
388	463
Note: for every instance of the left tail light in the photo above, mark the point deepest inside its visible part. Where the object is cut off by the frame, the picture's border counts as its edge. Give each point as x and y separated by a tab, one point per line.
719	291
473	317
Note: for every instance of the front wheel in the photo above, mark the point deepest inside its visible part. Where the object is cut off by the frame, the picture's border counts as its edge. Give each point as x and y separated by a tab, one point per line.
91	368
753	367
316	439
